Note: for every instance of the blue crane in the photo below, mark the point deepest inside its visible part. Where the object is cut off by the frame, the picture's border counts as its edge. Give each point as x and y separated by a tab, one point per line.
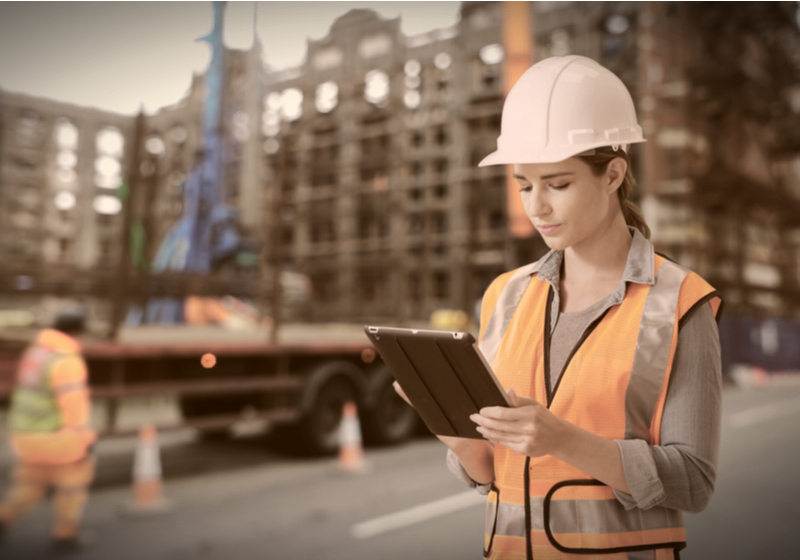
206	231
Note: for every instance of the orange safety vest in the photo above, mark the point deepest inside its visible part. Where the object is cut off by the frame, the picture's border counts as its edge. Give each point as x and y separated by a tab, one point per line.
50	406
614	384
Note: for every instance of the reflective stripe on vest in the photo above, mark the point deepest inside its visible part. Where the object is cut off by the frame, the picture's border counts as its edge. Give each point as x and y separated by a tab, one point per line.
578	516
652	350
582	514
503	311
33	404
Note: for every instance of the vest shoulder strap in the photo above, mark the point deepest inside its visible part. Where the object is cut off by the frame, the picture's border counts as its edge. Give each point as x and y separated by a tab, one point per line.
500	302
677	293
653	349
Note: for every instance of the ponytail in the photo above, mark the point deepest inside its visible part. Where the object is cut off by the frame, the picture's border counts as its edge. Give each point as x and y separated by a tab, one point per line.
598	162
633	216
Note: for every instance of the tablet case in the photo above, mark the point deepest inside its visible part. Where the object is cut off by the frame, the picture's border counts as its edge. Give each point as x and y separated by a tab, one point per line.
443	374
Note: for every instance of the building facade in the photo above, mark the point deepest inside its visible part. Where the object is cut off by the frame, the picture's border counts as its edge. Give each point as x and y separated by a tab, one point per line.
359	168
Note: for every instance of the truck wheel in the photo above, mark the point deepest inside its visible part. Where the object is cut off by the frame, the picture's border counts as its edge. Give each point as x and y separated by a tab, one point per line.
318	431
389	419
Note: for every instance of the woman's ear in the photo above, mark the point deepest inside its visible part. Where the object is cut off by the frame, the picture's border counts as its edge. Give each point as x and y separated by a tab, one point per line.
615	174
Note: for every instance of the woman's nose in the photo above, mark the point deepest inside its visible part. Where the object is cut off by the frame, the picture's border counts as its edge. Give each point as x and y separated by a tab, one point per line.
536	205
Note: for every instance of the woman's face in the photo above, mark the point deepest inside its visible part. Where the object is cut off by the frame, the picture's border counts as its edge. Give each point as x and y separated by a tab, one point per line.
566	202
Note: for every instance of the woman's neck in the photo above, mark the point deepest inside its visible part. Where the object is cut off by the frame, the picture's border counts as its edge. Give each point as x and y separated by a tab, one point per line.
601	258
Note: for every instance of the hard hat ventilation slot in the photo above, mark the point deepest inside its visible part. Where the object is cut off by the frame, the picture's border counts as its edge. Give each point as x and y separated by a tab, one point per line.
613	135
581	136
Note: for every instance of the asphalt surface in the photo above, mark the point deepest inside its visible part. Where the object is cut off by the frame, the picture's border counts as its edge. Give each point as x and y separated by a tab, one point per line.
755	511
241	499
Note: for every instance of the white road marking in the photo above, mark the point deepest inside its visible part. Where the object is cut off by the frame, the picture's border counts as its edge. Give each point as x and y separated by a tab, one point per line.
763	413
416	514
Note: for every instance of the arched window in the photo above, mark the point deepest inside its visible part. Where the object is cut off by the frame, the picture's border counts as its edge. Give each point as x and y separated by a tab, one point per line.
376	87
327	96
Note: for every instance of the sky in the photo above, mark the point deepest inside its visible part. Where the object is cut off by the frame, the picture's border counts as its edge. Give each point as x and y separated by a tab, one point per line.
119	55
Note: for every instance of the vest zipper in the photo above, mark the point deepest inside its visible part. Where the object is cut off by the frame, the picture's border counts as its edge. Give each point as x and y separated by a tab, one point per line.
526	472
549	395
546	353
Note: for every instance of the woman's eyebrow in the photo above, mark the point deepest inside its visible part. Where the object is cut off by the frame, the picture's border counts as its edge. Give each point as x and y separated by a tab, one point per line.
551	176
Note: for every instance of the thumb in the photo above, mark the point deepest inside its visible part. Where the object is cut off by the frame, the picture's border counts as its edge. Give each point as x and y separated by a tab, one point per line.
400	392
518	401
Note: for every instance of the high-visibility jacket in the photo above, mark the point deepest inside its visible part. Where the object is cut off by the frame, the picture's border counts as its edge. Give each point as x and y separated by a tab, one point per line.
614	384
50	406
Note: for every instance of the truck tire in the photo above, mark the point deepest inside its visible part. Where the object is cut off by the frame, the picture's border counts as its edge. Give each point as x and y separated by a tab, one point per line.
317	433
321	426
388	419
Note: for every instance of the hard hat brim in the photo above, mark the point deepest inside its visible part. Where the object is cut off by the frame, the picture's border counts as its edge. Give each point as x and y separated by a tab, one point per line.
561	153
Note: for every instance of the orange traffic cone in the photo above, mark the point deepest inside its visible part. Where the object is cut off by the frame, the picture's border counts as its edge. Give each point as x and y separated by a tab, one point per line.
147	488
351	453
760	376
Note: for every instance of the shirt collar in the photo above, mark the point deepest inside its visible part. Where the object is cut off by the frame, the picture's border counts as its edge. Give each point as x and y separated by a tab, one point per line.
639	268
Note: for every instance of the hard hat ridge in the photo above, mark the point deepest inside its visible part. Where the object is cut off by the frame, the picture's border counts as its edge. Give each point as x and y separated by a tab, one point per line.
561	107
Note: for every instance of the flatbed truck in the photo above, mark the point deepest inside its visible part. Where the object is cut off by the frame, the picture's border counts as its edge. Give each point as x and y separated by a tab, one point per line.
297	383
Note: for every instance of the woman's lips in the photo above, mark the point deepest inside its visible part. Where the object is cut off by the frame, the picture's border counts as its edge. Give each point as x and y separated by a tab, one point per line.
547	230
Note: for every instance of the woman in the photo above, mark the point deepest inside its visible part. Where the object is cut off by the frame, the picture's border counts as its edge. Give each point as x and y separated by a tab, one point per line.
609	352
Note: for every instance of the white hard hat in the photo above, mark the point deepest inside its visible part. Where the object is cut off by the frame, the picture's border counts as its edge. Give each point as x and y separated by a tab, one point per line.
561	107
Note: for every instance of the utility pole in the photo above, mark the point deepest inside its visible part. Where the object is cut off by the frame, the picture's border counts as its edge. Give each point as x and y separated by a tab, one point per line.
276	244
130	204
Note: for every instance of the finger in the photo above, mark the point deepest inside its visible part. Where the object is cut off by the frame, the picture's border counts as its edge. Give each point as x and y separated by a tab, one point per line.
504	413
518	401
507	439
501	427
492	423
399	391
499	434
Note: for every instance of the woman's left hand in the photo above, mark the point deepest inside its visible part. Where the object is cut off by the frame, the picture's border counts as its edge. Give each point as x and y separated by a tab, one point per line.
529	428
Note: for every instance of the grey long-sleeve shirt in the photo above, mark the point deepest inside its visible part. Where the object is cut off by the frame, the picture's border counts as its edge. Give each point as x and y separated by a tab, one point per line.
681	472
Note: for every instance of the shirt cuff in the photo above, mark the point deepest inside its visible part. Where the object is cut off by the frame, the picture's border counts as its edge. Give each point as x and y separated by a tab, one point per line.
641	475
457	469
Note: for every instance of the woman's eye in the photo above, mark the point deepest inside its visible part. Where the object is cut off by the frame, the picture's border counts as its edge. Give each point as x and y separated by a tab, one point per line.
559	187
526	188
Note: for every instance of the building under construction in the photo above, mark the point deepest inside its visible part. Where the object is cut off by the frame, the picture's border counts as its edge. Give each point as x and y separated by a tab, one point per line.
358	169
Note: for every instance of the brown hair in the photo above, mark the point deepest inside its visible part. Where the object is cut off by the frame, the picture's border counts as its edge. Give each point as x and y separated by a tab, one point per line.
598	164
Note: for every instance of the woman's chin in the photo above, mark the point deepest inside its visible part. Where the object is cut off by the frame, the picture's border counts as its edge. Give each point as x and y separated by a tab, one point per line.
554	243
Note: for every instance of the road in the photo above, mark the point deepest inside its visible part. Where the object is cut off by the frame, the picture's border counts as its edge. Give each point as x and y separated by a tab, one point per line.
755	512
238	499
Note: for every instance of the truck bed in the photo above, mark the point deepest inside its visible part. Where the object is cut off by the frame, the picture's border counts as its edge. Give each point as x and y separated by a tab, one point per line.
163	341
290	334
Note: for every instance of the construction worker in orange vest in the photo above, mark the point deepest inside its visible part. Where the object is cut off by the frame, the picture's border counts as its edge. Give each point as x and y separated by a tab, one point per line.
609	352
50	430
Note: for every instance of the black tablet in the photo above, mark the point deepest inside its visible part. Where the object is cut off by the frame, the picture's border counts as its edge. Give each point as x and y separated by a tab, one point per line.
444	375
